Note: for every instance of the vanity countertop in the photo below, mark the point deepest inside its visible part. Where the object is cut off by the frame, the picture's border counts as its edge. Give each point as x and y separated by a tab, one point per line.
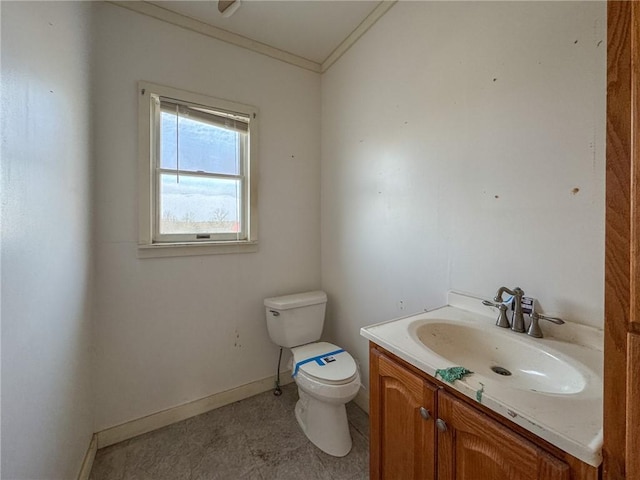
570	421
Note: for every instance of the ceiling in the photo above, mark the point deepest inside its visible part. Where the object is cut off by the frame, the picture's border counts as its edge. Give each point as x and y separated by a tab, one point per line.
311	29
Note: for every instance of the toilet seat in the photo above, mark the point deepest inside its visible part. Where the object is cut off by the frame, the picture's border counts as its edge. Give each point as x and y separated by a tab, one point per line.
324	362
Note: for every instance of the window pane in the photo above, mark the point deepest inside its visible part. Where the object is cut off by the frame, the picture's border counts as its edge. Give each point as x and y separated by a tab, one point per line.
189	144
199	205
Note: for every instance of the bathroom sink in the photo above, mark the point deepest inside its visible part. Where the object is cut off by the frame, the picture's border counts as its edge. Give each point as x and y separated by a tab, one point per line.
501	355
555	387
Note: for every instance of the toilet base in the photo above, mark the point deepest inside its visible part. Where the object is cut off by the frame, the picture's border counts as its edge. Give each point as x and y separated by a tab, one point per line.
325	424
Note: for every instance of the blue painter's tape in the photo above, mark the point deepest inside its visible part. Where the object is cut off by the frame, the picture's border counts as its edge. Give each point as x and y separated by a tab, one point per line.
317	359
508	301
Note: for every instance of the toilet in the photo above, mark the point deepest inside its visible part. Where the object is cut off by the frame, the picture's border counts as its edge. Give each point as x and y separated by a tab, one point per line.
326	375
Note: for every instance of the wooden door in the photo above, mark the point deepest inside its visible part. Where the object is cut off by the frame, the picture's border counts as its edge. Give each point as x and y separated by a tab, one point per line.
622	258
476	447
402	440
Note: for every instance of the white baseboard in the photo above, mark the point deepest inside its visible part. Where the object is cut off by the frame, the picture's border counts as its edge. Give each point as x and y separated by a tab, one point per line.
362	399
89	457
163	418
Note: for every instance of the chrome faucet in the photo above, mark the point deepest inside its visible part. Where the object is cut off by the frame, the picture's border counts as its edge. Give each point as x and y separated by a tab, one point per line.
517	320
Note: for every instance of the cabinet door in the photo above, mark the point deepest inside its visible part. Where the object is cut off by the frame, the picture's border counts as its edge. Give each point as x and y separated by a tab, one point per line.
476	447
402	439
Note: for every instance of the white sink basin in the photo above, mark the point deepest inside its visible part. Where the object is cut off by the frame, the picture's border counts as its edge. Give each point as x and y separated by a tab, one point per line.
501	356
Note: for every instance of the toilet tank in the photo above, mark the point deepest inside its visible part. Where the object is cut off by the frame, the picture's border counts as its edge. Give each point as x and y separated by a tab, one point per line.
297	319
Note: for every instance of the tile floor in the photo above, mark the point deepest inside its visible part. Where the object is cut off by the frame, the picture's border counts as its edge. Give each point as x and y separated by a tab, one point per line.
254	439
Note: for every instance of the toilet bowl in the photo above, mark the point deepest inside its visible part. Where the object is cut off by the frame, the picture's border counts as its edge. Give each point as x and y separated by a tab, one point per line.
327	378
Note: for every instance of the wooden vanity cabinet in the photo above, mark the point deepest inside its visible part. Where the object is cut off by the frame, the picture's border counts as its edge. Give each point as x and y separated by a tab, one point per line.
402	434
466	443
473	446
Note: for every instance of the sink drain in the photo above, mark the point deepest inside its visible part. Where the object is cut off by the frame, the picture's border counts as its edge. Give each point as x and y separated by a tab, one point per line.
501	371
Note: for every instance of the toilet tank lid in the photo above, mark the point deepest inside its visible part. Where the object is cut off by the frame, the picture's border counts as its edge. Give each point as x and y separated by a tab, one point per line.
296	300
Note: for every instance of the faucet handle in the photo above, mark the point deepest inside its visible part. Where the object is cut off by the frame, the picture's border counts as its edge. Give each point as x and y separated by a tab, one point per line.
502	320
534	328
489	303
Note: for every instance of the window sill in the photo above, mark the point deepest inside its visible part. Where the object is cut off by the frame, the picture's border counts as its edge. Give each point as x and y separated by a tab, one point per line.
159	250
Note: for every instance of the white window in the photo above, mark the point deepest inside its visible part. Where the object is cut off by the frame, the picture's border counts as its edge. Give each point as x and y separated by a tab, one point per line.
198	162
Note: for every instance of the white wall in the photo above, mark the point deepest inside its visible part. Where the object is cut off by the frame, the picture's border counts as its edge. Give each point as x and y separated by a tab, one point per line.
453	137
173	330
434	176
46	239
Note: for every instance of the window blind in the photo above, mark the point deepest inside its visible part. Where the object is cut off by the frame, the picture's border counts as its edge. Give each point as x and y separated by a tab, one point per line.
219	119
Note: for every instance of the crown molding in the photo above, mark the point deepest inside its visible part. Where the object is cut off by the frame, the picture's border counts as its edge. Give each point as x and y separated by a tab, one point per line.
194	25
160	13
375	15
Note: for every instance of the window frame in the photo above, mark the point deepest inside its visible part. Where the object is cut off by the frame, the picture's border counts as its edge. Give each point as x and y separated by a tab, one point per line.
150	171
158	105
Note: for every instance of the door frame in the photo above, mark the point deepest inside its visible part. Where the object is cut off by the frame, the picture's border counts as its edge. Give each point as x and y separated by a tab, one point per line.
622	245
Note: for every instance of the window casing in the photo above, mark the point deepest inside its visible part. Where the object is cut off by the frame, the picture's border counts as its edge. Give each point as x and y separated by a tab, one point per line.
198	165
